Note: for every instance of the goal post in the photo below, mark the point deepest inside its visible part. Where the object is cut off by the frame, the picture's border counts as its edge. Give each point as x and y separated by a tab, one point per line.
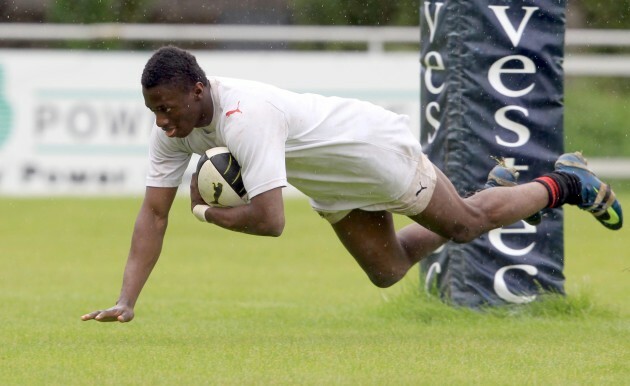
492	86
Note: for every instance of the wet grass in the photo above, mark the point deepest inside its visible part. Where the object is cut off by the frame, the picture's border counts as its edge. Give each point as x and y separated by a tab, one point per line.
224	308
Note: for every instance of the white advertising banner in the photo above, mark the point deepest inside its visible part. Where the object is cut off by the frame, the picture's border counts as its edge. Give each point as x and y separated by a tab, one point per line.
74	122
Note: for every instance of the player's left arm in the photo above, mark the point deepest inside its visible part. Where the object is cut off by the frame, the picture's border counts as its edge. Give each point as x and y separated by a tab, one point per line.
263	216
256	137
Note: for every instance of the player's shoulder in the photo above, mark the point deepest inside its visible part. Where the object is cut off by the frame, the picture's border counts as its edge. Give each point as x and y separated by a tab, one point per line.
241	99
233	87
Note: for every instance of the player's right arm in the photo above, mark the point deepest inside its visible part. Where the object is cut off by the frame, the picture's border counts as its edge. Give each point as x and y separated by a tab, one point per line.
146	245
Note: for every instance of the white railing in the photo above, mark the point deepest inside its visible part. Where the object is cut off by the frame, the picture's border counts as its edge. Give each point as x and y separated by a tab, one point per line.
374	37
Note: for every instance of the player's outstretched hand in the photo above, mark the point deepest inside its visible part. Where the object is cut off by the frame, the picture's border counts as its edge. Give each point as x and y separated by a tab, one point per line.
118	313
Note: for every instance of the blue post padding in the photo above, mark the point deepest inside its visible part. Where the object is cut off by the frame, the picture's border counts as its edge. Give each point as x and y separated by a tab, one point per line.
492	85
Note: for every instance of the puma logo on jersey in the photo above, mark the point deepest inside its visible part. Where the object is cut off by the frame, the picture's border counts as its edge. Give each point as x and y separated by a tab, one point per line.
236	110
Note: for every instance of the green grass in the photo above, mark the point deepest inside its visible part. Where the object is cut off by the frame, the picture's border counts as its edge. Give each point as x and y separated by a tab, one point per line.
597	112
230	309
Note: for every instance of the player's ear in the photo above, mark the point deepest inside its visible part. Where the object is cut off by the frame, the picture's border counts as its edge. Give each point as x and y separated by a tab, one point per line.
198	90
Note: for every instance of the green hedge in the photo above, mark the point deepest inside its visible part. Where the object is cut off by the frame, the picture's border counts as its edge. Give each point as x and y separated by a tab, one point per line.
596	14
606	13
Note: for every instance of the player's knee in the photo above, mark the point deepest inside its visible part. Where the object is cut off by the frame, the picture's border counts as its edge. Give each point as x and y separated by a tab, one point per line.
462	234
385	278
470	226
464	238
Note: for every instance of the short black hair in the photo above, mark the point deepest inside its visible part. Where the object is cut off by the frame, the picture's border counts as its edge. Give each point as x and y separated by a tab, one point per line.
173	66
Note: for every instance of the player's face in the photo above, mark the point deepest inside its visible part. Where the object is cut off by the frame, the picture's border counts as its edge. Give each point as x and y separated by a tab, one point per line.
177	111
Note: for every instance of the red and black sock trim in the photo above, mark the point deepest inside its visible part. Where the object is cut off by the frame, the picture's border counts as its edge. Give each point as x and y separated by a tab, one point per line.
552	189
563	188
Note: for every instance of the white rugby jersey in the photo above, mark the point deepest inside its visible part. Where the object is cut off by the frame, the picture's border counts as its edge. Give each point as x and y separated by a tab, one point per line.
342	153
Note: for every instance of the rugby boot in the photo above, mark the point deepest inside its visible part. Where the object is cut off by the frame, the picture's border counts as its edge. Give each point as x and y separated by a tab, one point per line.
596	197
501	175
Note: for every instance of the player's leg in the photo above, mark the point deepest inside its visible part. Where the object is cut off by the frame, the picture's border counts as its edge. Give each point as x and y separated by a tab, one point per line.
502	175
371	239
386	255
462	220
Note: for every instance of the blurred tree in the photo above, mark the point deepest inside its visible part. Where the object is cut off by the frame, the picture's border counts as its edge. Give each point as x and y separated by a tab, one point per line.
606	13
97	11
355	12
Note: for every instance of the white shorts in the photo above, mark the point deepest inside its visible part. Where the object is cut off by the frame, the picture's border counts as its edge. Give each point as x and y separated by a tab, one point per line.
413	201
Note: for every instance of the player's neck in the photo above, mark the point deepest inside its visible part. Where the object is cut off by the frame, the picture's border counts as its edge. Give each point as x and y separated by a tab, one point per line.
207	110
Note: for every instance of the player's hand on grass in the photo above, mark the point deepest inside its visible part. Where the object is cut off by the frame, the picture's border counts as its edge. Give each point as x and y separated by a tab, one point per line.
118	313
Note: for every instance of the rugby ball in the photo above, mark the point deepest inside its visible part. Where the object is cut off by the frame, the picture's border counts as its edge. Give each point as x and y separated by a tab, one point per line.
219	179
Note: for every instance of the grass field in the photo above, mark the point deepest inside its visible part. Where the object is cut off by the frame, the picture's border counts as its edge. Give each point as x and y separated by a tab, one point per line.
230	309
597	112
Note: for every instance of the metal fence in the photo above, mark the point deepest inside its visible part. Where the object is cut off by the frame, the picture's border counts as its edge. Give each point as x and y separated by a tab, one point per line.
375	38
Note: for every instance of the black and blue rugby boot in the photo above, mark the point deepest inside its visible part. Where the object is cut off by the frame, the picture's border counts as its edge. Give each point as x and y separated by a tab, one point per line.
596	197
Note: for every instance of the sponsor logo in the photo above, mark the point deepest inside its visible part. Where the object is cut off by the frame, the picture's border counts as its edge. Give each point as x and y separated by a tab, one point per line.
610	216
421	189
236	110
50	177
513	23
501	287
218	189
5	111
91	122
613	217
